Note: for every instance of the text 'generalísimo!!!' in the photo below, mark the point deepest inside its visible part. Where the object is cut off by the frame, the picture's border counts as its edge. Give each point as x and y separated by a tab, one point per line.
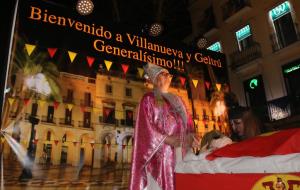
144	50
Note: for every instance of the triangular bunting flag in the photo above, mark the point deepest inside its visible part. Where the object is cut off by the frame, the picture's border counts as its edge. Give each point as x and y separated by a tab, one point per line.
29	48
26	101
196	121
55	142
107	64
52	51
95	110
218	85
35	141
182	80
207	84
92	145
129	115
107	111
70	107
82	108
90	60
11	101
123	146
55	104
141	72
41	103
195	82
125	68
72	55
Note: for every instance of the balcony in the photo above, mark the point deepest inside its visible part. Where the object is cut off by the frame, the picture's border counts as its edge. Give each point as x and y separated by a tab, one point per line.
48	120
234	6
278	45
81	124
63	121
86	103
69	100
240	58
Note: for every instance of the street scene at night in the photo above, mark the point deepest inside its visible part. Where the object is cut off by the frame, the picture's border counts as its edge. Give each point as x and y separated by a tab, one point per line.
150	95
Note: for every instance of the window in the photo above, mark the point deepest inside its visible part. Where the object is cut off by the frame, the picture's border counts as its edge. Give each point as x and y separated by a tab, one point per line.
129	117
244	38
87	99
215	47
70	95
49	136
128	92
283	24
108	89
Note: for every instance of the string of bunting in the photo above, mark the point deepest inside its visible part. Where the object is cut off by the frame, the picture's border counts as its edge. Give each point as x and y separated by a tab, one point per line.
108	64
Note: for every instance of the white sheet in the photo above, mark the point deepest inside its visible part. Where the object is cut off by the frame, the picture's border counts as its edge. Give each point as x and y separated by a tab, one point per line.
271	164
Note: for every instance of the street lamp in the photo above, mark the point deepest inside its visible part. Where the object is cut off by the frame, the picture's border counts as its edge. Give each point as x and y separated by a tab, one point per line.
26	172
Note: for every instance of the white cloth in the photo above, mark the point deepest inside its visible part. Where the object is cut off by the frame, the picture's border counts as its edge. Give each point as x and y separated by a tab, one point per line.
270	164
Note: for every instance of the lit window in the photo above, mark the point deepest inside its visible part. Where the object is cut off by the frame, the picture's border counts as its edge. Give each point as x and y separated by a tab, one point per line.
285	33
244	37
215	47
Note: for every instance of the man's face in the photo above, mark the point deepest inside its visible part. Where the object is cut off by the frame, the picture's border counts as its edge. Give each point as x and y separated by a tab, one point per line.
163	81
238	126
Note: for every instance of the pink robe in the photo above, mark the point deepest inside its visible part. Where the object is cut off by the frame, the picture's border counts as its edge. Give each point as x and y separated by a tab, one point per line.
151	156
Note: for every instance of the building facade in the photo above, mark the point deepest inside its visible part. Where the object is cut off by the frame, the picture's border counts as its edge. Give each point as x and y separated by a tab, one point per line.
262	43
94	123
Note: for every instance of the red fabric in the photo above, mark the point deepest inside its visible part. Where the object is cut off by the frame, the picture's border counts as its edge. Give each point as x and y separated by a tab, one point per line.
279	143
229	181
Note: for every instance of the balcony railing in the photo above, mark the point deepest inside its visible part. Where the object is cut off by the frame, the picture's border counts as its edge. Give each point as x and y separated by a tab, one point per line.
46	119
234	6
278	45
240	58
63	121
68	100
86	103
84	125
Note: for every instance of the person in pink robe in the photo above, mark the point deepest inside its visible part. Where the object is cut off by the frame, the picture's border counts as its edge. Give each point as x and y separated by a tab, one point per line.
162	124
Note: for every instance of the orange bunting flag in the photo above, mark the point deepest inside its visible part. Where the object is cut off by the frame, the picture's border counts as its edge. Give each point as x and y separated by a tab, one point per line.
56	142
52	51
107	64
72	55
55	104
35	141
195	82
26	101
70	107
141	72
182	80
29	48
218	85
41	103
11	101
125	68
82	108
90	60
207	84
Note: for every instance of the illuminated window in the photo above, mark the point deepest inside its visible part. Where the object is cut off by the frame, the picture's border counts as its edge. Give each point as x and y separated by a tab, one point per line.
244	37
285	33
215	47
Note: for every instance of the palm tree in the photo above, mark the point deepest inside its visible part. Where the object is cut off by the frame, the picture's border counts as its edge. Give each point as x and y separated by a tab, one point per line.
24	67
